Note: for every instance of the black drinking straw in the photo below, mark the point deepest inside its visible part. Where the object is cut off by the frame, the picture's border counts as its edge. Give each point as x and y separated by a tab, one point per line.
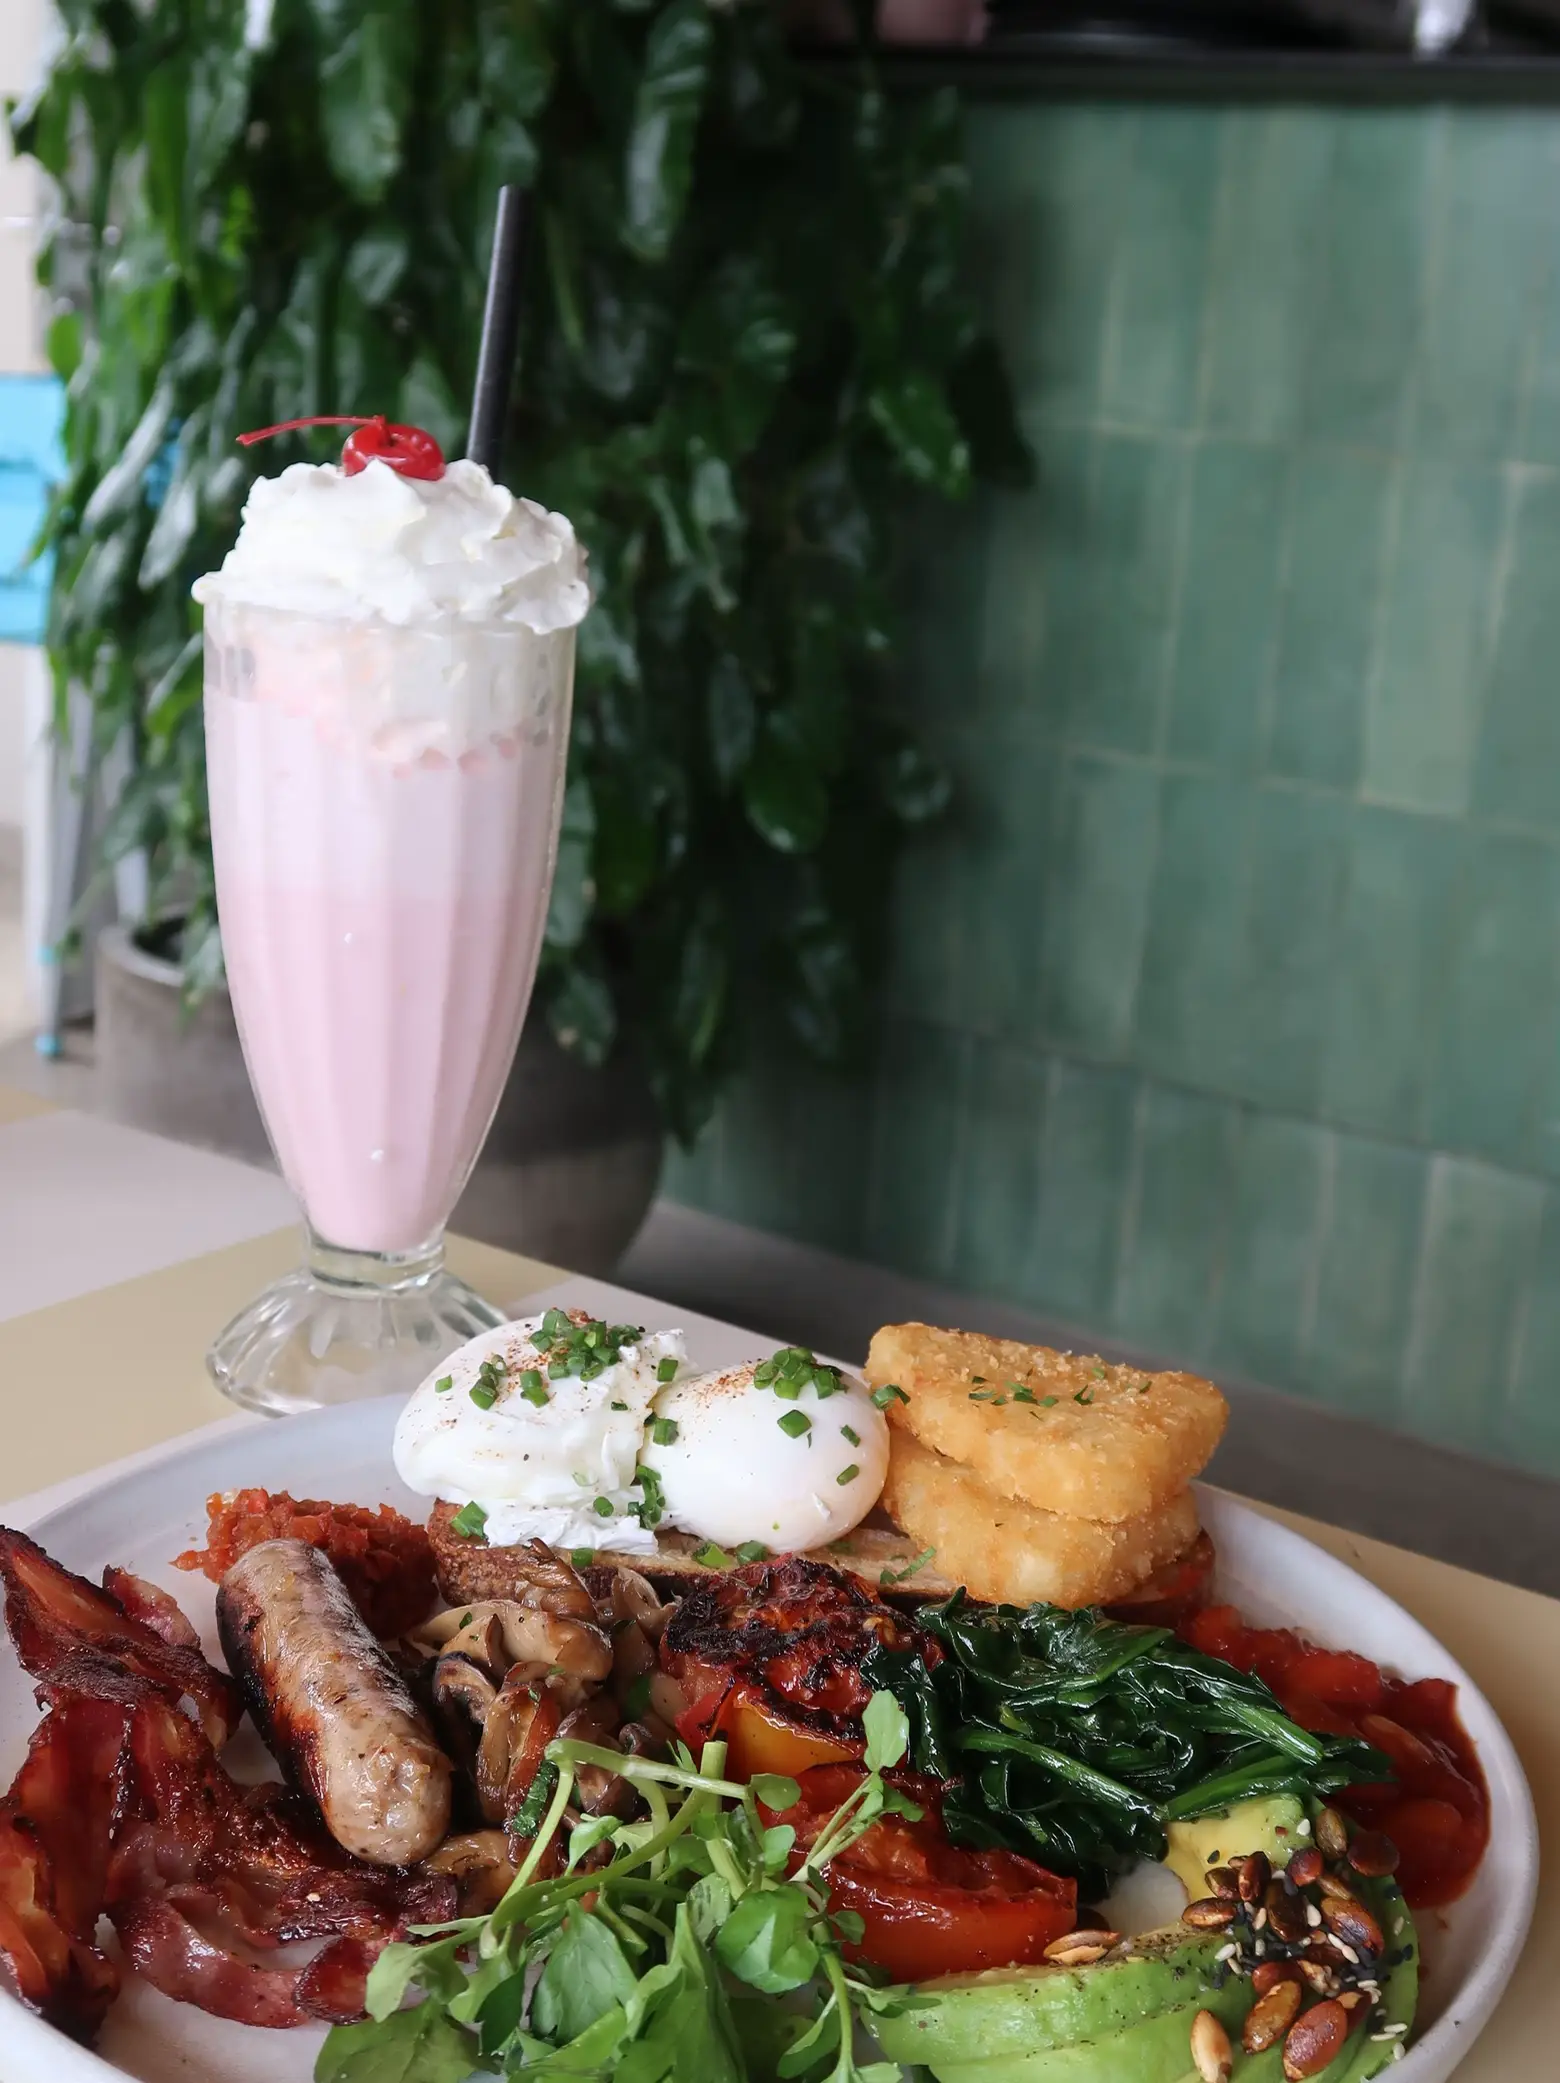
500	329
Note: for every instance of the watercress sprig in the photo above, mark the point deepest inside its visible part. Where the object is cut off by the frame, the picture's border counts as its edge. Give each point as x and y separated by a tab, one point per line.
657	1964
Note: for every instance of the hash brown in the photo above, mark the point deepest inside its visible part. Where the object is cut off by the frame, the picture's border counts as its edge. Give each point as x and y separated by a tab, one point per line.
1081	1436
1006	1552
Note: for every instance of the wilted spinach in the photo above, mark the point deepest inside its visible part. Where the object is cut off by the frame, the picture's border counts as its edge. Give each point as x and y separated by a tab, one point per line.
746	347
1077	1740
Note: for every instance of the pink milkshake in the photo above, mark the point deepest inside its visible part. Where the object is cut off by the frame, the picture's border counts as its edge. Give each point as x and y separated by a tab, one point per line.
389	667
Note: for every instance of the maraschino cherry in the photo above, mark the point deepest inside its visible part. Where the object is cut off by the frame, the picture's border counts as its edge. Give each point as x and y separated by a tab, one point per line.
377	440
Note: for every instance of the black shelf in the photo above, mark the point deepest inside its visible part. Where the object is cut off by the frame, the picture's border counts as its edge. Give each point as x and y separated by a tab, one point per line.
1045	66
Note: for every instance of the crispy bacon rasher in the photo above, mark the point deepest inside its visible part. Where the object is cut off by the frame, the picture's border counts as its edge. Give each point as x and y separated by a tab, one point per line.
51	1612
54	1842
123	1808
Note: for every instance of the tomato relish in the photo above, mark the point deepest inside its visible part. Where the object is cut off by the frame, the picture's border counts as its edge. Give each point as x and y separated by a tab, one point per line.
1436	1811
384	1560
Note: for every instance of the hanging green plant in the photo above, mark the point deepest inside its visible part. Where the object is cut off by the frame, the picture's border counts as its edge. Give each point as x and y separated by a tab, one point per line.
746	351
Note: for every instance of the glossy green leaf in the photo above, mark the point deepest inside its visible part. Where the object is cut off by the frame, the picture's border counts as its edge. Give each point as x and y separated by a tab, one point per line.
766	1941
658	160
733	717
365	90
583	1015
416	2046
914	786
427	400
517	59
586	1975
982	400
122	485
376	263
785	797
574	890
920	429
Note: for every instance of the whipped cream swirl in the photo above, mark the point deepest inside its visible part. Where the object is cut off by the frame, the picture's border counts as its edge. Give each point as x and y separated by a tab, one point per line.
403	550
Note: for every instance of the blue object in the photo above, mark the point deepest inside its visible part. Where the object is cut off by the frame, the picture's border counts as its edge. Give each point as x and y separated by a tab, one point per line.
31	415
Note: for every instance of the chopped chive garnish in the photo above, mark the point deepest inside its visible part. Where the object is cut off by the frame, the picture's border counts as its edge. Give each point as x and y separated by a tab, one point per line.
764	1373
667	1371
533	1388
602	1507
795	1423
1084	1396
664	1431
530	1378
788	1388
898	1576
582	1558
1021	1394
890	1392
849	1432
712	1556
847	1475
1047	1402
444	1384
752	1551
651	1509
615	1405
469	1521
557	1370
483	1395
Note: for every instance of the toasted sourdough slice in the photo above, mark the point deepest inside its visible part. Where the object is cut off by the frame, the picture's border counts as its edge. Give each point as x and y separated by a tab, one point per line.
1080	1435
1006	1552
895	1566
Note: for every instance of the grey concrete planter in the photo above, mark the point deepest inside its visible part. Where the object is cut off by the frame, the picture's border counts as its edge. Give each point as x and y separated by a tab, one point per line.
569	1170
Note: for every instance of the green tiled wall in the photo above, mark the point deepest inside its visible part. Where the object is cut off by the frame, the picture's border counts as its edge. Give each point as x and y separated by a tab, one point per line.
1224	1016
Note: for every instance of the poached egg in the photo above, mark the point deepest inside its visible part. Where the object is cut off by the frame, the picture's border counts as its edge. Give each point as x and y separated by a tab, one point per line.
754	1454
545	1456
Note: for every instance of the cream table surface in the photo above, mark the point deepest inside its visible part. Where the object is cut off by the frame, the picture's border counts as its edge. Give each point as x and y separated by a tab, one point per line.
121	1361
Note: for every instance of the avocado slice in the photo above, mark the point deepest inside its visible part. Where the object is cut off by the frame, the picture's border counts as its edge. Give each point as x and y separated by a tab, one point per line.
1271	1823
1017	2012
1126	2020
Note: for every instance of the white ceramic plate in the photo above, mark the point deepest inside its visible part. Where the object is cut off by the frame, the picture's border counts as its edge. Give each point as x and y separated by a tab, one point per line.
145	1518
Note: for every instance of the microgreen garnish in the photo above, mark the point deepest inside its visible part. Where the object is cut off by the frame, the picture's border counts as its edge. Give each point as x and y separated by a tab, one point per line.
469	1521
889	1393
795	1424
630	1986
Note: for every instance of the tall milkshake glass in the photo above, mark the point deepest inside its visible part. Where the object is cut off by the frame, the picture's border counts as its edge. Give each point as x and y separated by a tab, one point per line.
386	764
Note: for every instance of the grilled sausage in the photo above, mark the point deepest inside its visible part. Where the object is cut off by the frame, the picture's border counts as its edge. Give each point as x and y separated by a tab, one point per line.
330	1705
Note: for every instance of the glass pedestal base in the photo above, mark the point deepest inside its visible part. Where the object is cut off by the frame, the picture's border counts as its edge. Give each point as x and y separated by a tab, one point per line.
346	1325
